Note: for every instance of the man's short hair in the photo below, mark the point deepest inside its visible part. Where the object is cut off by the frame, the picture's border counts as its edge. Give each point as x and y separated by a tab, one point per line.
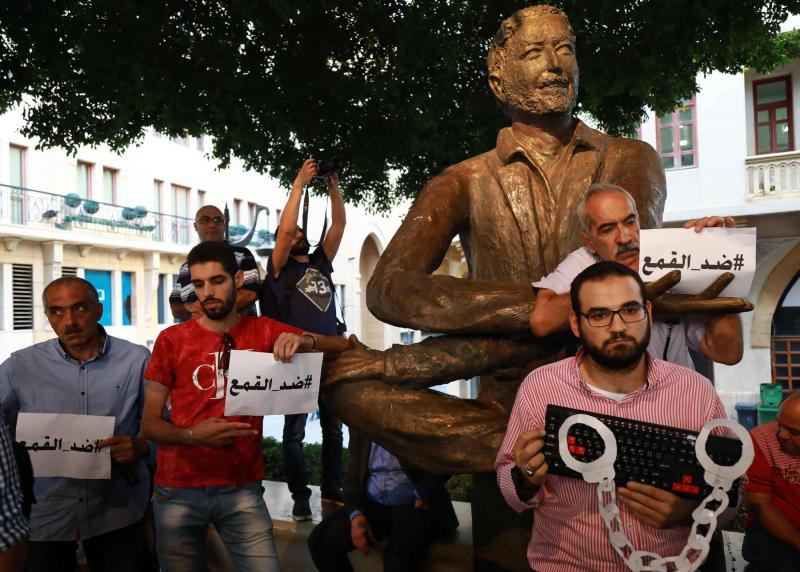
583	217
599	271
91	291
213	251
496	58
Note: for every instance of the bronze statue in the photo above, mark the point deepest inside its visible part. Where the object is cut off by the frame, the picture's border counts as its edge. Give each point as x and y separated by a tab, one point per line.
513	209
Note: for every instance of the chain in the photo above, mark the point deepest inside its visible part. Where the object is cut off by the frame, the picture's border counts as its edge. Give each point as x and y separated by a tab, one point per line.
705	517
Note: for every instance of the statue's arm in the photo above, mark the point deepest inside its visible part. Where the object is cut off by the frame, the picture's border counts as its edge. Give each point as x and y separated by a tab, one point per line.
403	290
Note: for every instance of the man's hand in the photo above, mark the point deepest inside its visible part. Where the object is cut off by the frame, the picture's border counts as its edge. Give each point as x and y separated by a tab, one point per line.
124	448
361	533
710	221
529	458
421	504
332	179
656	507
307	172
289	344
216	432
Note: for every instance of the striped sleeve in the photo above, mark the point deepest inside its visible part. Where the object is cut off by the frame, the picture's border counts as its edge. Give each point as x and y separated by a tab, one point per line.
517	423
248	266
14	527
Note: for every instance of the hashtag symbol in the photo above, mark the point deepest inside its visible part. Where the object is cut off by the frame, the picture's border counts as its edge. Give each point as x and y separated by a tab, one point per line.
738	262
307	384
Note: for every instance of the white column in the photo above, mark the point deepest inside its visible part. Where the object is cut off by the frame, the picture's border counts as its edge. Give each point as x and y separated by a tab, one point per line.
6	288
148	312
116	298
53	253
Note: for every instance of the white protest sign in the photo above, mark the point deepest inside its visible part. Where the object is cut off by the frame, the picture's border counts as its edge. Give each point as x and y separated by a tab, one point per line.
701	257
258	384
65	445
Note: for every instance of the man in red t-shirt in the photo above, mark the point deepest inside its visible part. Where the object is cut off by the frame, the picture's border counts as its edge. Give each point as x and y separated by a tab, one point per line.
772	539
210	466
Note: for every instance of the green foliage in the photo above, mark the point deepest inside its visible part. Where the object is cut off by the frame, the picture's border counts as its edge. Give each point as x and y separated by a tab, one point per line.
396	87
273	460
459	487
73	200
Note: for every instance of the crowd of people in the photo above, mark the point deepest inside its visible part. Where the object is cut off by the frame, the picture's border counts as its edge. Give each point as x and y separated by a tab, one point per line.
178	462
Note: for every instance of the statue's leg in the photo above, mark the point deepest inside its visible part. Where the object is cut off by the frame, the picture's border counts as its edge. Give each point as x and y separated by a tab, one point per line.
437	432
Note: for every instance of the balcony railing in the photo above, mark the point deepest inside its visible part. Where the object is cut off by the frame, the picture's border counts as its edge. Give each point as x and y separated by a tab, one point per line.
772	176
39	209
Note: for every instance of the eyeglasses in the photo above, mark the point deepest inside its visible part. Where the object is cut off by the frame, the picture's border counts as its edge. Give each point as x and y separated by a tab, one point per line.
224	353
209	219
628	314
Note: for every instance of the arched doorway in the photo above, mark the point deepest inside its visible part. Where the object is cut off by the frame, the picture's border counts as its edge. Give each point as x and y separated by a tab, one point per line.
786	338
372	330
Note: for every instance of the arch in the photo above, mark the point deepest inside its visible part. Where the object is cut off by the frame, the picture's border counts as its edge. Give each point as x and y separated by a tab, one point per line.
372	329
770	296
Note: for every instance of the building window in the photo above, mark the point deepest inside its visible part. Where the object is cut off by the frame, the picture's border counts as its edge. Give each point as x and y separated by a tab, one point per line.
201	199
200	142
22	295
162	298
251	212
69	271
237	211
101	280
773	115
109	186
180	207
83	183
677	136
127	298
158	231
17	157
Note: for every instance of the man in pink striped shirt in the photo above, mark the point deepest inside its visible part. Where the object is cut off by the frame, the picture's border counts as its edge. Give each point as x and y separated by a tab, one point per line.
613	375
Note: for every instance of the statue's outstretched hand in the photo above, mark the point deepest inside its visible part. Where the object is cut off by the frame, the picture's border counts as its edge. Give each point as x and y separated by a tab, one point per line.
706	302
360	362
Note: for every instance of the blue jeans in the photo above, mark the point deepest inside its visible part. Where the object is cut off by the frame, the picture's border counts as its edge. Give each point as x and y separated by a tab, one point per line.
294	462
239	514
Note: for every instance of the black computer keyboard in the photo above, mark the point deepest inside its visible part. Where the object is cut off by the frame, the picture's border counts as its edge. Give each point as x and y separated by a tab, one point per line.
655	455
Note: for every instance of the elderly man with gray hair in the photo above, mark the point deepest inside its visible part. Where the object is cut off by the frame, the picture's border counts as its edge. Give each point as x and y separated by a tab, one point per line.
610	231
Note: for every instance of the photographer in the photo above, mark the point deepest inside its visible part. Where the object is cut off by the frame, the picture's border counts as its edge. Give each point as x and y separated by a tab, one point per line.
299	284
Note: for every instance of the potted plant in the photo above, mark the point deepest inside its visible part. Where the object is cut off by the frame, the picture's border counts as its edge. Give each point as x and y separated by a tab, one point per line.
90	206
73	200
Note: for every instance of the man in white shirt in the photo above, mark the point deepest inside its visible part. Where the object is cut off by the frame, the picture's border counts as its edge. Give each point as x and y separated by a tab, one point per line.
610	231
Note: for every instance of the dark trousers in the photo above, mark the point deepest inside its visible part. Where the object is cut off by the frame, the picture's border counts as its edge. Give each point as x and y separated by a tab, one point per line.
121	550
765	552
410	531
294	462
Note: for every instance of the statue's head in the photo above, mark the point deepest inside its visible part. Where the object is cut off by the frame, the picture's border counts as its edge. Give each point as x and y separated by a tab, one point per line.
532	64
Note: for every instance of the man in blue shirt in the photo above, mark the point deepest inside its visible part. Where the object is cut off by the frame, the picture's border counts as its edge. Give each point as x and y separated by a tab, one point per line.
86	372
383	499
307	301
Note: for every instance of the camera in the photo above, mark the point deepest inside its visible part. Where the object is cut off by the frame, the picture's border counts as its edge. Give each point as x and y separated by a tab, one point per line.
327	166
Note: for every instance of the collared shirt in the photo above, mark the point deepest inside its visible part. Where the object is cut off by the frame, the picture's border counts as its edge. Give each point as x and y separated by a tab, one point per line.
675	337
43	378
13	526
568	532
183	292
388	484
774	472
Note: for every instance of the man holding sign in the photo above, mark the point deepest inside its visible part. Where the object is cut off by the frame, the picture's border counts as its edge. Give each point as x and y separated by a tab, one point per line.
95	487
210	467
610	231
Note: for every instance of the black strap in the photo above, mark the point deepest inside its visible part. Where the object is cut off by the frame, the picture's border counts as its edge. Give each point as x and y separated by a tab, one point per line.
671	324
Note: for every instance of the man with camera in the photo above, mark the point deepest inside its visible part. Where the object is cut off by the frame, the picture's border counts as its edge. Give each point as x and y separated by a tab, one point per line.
299	283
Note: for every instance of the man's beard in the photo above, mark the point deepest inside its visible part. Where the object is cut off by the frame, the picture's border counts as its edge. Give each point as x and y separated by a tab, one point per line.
540	101
301	248
218	313
617	357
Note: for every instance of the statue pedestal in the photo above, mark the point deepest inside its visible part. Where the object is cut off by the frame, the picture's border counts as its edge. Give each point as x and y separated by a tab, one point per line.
500	536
